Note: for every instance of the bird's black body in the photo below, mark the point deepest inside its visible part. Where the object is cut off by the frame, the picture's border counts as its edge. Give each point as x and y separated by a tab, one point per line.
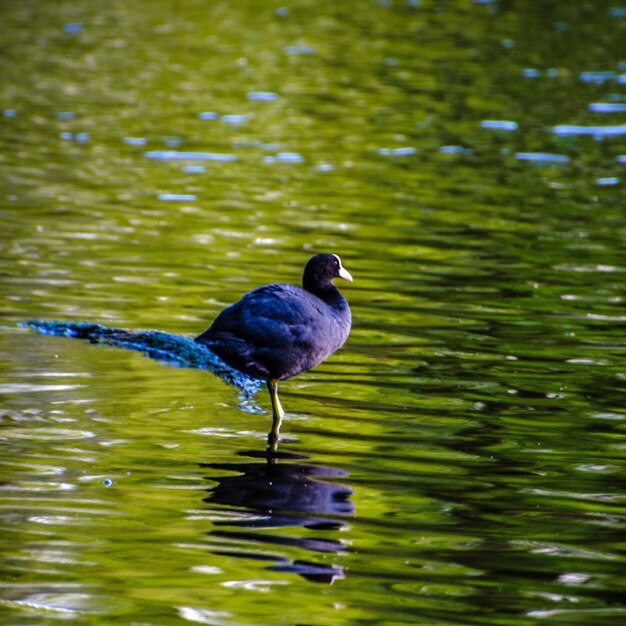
279	331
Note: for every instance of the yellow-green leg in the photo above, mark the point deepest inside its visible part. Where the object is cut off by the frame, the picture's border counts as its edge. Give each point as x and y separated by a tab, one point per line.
277	415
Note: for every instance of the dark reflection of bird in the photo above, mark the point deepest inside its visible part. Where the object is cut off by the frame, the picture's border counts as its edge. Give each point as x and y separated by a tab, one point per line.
279	331
272	494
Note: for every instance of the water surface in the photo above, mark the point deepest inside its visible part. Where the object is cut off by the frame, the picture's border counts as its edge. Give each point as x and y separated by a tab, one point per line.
461	460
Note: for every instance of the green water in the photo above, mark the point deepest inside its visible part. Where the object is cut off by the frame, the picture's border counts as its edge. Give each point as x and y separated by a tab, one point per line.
462	459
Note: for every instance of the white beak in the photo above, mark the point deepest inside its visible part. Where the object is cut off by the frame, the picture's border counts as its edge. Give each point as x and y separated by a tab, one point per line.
345	274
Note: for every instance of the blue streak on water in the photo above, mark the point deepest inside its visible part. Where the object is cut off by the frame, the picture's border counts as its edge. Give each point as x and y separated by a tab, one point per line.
599	132
235	119
455	150
193	169
597	78
607	107
78	137
285	157
299	50
541	157
177	155
172	142
621	158
617	11
9	112
135	141
607	181
73	28
531	72
499	125
208	115
263	96
155	344
178	197
407	151
66	115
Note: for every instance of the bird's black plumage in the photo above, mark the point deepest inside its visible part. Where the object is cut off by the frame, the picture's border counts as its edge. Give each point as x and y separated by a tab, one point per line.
279	331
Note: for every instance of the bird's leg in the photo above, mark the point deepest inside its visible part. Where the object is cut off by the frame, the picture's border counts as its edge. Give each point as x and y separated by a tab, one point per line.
277	415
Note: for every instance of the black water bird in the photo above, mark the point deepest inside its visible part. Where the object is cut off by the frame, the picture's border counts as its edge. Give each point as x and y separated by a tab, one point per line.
279	331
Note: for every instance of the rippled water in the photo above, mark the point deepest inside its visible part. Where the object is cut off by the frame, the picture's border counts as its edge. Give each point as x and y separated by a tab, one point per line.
461	460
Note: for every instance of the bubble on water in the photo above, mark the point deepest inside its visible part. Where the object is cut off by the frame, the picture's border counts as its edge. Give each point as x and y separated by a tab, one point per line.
108	482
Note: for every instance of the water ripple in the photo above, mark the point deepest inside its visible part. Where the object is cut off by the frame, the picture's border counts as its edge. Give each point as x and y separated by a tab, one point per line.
33	388
46	434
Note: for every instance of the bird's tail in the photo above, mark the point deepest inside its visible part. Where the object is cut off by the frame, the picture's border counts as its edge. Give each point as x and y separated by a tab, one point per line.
176	349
